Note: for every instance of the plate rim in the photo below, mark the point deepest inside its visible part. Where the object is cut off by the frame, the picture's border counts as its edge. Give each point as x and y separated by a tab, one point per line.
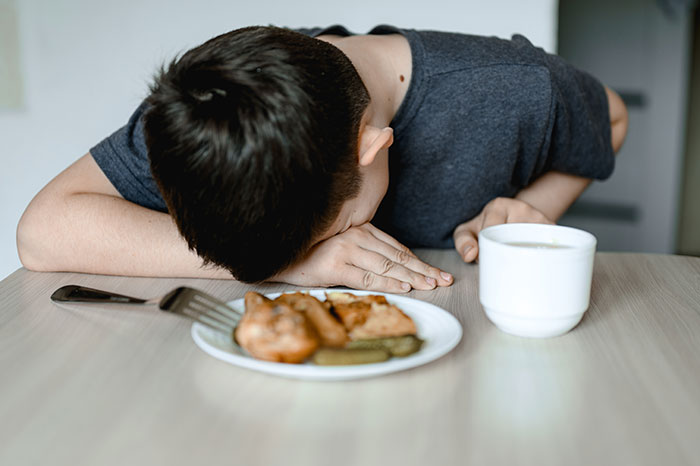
336	373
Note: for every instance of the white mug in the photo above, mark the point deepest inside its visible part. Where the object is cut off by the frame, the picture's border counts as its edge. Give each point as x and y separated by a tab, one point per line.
534	279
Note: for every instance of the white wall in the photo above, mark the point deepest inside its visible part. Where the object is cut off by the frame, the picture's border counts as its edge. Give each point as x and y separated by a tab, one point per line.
85	64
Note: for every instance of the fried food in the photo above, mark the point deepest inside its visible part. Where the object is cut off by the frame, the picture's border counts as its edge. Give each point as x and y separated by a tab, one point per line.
370	316
331	332
348	329
275	331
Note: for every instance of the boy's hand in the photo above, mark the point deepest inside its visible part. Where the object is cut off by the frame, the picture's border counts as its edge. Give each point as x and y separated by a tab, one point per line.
497	211
364	257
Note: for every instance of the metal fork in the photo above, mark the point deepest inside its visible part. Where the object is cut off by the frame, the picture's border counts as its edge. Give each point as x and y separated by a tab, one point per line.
189	302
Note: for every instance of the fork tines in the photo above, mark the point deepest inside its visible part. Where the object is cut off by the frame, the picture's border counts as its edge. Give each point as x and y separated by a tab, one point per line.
203	308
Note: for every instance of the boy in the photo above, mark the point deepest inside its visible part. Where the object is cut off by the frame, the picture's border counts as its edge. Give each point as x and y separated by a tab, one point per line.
269	152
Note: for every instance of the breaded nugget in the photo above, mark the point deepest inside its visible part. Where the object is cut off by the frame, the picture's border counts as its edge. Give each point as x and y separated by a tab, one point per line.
370	316
274	331
352	314
383	320
329	329
339	297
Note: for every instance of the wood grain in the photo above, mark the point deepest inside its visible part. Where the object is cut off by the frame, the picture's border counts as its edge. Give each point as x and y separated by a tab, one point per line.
126	385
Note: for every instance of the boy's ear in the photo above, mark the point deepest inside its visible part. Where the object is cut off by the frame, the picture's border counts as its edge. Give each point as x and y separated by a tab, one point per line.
372	140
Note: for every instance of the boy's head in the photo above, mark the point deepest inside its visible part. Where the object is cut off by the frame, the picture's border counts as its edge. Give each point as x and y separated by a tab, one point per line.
253	141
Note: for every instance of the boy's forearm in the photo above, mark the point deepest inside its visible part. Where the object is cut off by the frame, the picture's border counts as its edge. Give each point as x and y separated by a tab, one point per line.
97	233
553	193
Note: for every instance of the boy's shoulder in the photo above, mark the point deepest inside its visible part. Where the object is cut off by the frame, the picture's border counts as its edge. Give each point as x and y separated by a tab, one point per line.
461	48
454	51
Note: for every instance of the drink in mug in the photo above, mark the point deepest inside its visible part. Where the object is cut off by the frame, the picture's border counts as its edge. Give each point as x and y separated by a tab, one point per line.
535	280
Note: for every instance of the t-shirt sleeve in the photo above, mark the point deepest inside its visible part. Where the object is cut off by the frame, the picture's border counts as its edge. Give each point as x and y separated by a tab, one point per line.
123	158
579	140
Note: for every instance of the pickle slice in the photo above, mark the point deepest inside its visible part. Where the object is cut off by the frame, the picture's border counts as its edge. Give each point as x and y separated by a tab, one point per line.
346	357
396	346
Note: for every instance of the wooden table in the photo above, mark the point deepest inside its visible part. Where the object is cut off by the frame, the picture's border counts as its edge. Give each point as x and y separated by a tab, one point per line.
128	386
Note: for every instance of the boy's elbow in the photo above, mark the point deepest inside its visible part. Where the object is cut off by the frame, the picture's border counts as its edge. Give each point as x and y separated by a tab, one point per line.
619	128
29	243
619	119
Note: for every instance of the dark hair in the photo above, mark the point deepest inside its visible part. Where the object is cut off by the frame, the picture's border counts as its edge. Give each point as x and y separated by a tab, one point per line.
253	140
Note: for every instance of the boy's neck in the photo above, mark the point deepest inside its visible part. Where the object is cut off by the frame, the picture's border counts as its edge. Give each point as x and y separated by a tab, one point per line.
384	65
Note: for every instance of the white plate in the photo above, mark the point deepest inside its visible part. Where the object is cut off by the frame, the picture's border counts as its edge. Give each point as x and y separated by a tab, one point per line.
440	330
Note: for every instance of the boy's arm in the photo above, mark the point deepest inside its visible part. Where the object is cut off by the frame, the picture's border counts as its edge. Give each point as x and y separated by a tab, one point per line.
554	192
80	223
543	201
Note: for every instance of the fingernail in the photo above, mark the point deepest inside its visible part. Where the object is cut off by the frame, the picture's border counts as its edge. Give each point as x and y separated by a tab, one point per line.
446	276
466	251
405	286
431	281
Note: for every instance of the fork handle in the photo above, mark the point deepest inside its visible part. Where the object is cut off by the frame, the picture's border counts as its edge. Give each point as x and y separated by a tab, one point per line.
82	294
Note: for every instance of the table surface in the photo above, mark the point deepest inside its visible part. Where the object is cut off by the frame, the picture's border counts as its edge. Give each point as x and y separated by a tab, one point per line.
127	385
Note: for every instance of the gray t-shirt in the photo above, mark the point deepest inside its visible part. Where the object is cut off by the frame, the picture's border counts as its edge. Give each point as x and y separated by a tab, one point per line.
483	117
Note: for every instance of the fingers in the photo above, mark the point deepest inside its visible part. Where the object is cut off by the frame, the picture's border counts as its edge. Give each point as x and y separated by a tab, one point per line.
465	239
494	216
340	273
381	265
364	258
497	211
404	260
360	279
380	235
525	213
